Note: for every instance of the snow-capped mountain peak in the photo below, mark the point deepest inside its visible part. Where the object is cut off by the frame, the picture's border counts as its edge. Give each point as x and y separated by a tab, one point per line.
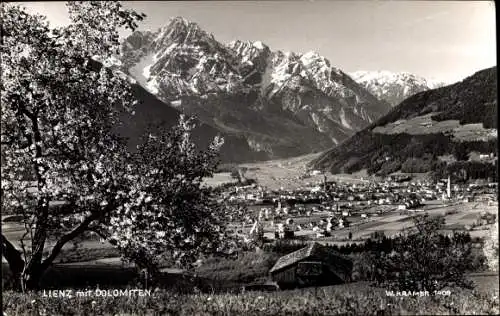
393	87
303	95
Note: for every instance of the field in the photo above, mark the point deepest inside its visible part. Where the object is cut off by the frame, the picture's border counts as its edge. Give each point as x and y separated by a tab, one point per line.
425	125
292	174
218	179
391	222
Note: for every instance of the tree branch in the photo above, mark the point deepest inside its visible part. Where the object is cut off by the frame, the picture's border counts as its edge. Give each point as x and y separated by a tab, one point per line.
66	238
13	256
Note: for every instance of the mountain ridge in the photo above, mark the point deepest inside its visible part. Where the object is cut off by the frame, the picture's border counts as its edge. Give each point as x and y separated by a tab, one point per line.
457	120
151	114
284	104
393	87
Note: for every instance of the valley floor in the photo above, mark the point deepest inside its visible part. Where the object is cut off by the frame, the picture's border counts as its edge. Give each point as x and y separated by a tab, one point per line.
290	173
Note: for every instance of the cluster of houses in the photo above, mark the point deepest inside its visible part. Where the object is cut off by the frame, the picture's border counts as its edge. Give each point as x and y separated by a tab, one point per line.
396	190
331	205
336	202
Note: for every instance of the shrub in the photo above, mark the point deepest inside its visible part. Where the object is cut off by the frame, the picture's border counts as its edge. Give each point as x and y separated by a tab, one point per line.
247	267
422	259
283	247
390	167
491	248
416	165
363	269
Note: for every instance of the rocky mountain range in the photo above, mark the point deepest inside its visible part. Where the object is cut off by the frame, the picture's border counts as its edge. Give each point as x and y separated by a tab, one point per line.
450	127
393	87
282	104
151	114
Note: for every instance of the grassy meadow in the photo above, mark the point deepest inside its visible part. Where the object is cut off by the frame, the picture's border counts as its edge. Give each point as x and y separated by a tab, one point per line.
216	290
349	299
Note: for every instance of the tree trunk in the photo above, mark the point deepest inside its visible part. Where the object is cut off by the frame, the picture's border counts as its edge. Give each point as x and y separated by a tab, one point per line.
30	278
33	269
15	261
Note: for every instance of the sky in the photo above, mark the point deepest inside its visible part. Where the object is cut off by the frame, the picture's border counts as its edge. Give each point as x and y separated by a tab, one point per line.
444	41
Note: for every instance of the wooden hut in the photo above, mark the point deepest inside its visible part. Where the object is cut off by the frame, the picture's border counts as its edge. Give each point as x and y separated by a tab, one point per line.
314	265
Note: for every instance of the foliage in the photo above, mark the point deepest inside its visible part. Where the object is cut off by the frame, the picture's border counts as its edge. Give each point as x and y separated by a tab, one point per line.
416	165
390	167
247	267
422	259
491	248
362	253
57	117
350	299
60	108
283	247
465	170
167	211
386	153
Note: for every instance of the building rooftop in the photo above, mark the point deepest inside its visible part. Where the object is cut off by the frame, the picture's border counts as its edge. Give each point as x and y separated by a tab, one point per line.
294	257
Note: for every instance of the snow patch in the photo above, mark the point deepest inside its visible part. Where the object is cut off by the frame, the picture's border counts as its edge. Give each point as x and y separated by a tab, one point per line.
141	70
343	119
316	119
258	45
146	72
309	57
176	103
152	86
406	90
278	77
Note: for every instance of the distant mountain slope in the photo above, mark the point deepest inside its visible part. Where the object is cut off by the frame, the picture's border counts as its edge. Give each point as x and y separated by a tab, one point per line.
393	87
282	104
426	131
150	113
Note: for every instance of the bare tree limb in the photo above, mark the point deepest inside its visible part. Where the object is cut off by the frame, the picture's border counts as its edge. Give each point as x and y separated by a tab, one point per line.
66	238
13	257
